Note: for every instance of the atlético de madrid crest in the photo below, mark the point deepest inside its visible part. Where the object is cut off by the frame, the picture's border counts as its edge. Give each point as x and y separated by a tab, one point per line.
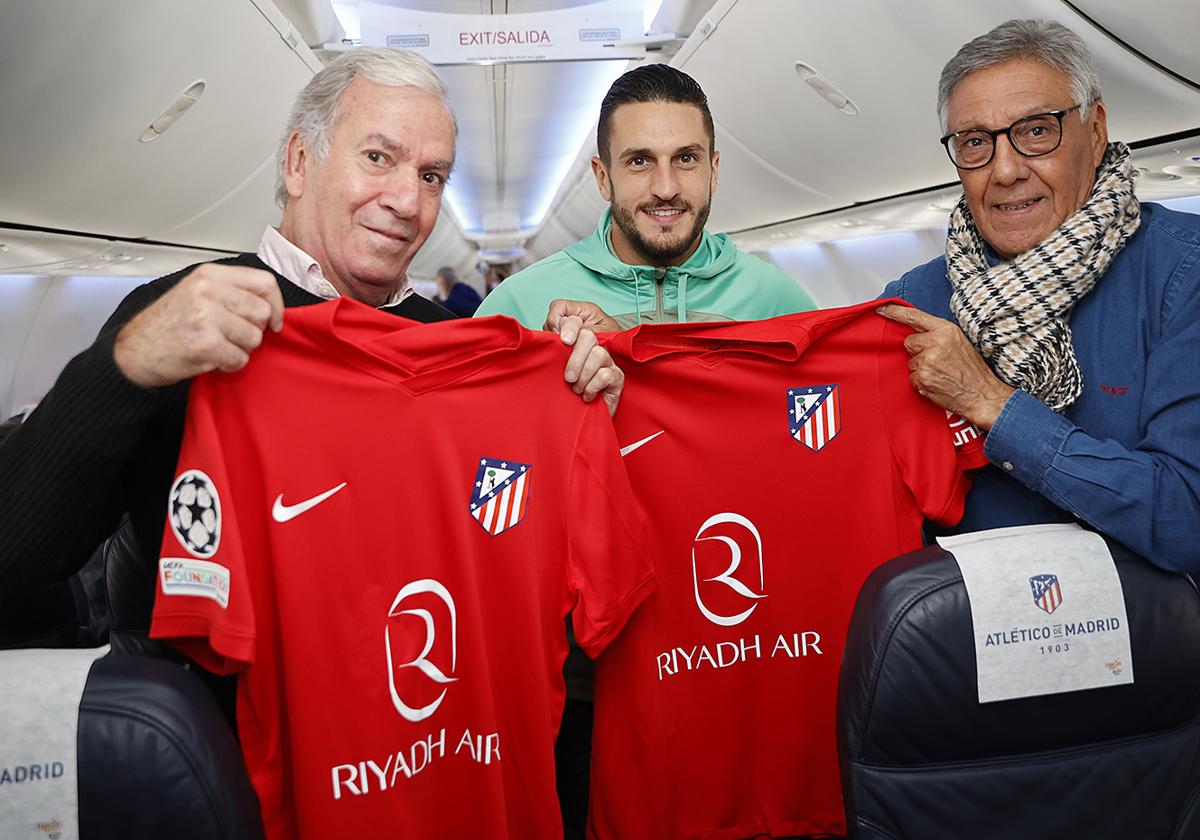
1047	593
500	494
814	414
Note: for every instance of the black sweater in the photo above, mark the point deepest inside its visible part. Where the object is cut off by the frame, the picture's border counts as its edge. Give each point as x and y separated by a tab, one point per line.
98	446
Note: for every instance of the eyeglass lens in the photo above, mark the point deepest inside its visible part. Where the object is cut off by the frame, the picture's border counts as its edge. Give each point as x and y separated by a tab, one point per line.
1032	136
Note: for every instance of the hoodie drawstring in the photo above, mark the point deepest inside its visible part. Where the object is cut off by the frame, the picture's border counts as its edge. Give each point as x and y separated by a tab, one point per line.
637	299
683	278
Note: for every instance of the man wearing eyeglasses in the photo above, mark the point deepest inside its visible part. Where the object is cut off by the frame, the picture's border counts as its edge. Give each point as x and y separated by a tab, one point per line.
1064	319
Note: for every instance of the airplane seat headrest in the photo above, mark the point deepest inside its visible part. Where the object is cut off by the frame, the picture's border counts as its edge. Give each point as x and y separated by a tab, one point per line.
922	757
156	758
130	596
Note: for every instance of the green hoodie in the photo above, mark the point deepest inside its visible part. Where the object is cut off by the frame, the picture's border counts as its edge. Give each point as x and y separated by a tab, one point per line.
716	283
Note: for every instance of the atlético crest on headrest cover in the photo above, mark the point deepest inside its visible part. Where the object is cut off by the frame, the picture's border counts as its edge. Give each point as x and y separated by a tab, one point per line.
1047	593
500	494
814	414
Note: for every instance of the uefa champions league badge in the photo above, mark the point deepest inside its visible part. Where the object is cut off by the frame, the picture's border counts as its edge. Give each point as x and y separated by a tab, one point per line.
814	414
500	494
195	514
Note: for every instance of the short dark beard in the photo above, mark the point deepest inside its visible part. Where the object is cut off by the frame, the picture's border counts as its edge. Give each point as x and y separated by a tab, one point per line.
658	255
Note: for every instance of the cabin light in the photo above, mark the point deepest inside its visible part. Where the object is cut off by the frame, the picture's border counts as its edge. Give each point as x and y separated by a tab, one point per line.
1183	170
1156	175
173	112
826	89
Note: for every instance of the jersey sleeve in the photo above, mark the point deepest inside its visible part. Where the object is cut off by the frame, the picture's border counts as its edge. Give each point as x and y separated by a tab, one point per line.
608	567
934	448
202	601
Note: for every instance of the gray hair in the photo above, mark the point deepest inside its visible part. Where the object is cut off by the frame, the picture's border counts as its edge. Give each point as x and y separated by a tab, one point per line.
1042	40
316	110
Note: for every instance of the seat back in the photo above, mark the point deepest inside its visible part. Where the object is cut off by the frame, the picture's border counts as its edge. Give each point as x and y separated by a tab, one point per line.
157	759
923	758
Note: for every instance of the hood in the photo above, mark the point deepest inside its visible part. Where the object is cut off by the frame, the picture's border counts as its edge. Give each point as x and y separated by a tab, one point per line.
714	255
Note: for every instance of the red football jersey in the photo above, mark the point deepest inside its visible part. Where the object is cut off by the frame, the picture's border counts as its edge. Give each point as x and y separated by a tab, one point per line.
777	463
381	526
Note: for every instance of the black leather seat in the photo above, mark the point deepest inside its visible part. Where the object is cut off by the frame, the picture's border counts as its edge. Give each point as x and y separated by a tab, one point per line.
157	759
922	758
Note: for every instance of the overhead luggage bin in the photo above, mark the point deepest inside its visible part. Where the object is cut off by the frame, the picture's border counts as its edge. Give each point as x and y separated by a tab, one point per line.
83	83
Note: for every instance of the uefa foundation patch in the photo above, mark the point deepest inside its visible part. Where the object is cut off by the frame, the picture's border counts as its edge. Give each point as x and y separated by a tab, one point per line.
197	578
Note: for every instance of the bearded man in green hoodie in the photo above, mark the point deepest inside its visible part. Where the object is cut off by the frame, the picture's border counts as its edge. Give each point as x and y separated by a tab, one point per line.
650	259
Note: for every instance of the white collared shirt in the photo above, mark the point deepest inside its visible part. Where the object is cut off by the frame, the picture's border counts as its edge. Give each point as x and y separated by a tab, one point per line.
285	258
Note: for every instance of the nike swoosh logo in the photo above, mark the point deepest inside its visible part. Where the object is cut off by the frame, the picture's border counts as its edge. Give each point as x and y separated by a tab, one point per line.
282	513
625	450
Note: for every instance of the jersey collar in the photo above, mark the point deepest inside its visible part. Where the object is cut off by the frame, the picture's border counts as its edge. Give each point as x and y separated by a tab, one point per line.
418	357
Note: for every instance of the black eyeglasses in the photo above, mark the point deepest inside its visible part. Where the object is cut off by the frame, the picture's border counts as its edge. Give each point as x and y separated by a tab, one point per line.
1032	136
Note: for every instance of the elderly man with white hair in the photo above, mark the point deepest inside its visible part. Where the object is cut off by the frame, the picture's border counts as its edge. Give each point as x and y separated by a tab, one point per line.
363	162
1064	318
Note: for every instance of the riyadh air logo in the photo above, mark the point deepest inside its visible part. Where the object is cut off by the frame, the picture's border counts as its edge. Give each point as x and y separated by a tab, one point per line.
964	430
500	494
1047	594
723	594
411	623
814	414
195	513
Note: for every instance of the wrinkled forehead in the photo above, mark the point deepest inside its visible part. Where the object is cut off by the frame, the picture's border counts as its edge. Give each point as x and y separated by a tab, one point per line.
997	95
366	107
371	101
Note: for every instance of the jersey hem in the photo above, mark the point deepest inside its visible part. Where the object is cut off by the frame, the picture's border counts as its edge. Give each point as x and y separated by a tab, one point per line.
220	650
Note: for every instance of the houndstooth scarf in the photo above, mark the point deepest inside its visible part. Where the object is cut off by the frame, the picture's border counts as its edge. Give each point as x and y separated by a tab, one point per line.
1016	313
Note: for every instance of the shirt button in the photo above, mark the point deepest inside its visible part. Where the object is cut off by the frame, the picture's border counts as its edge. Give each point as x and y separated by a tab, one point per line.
1007	466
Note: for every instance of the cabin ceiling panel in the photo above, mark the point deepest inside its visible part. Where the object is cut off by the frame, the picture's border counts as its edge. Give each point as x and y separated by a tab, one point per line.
80	82
806	152
237	219
1164	30
41	252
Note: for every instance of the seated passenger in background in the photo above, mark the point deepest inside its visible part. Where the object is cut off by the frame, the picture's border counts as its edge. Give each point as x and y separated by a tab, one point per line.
456	295
1064	319
366	154
650	259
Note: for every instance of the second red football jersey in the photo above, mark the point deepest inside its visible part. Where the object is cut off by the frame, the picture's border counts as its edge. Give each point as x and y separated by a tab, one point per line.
777	463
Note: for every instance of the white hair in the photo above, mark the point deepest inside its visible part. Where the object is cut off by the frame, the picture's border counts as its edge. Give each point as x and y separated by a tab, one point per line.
1042	40
316	110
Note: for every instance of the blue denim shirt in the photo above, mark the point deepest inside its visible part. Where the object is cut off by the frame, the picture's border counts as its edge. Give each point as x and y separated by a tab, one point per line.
1125	457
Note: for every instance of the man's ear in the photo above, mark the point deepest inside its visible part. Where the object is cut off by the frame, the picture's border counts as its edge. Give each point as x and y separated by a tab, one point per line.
600	171
1099	120
296	159
716	164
